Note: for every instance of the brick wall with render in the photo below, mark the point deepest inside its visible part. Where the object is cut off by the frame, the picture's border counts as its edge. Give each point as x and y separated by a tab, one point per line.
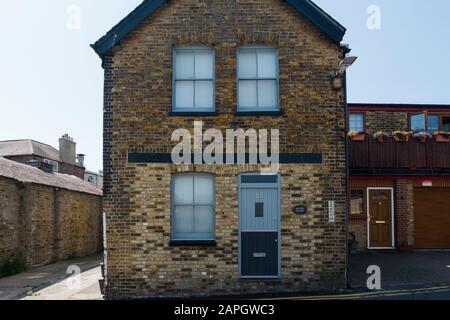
46	224
138	100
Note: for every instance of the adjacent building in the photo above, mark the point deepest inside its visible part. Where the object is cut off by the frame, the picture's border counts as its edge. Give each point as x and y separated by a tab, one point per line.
94	178
45	217
399	190
45	156
192	230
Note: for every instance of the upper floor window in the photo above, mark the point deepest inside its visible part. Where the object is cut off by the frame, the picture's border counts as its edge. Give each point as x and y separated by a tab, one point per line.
53	163
357	122
418	122
193	205
193	84
424	122
258	79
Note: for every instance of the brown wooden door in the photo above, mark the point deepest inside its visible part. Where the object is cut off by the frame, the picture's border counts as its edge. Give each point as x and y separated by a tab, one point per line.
432	218
380	218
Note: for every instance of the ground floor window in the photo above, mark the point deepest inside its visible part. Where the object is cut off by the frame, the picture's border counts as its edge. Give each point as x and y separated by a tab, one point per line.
193	206
357	202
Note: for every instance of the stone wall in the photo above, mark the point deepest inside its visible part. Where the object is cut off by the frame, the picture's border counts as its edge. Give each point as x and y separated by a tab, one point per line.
138	102
46	224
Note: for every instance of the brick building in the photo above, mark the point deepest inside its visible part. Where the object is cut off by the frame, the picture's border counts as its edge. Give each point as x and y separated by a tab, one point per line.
46	217
37	153
400	191
177	230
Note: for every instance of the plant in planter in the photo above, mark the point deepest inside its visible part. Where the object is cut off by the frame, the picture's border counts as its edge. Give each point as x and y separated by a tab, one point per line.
401	136
421	136
380	136
356	136
441	136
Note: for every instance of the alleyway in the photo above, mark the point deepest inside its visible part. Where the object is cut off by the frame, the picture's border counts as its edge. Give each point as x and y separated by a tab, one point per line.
50	282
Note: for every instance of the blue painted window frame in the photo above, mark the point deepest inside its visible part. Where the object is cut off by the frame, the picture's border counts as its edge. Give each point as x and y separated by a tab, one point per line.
257	79
193	109
173	205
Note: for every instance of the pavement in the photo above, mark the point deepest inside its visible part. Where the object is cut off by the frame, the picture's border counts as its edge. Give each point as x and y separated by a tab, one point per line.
418	269
419	275
53	282
427	293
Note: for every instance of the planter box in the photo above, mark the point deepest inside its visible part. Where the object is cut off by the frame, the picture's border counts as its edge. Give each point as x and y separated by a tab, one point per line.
401	139
358	137
441	138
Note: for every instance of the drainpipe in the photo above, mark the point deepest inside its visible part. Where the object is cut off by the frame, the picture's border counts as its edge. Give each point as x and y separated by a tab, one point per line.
346	50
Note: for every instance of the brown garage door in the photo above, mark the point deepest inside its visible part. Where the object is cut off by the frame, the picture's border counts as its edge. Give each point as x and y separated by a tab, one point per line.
432	218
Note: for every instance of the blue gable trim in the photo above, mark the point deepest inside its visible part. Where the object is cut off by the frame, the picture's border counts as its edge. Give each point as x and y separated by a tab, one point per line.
310	10
125	26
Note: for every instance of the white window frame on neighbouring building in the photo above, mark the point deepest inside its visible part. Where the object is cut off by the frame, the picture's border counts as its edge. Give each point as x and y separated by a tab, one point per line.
193	203
258	83
53	163
193	80
357	122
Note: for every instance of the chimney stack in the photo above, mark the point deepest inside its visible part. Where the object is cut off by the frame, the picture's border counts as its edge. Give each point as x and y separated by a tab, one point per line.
67	149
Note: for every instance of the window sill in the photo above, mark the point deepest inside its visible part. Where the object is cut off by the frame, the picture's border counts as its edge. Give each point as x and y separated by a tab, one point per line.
193	114
259	113
192	243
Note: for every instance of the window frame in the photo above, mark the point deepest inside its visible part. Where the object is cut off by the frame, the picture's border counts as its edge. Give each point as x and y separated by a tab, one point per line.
357	113
55	164
176	241
193	109
257	109
440	115
363	213
410	115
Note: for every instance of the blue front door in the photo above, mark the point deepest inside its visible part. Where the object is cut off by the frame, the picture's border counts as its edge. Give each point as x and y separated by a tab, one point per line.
259	227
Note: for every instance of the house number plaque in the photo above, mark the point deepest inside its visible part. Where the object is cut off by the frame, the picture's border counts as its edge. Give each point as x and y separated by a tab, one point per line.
299	210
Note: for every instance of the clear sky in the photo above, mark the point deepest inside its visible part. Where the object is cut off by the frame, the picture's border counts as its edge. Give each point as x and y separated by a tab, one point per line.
51	80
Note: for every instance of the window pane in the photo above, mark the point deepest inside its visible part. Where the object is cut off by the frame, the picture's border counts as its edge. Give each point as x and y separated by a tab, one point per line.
204	190
267	91
433	123
418	123
204	94
247	64
204	221
204	65
183	189
247	94
357	202
446	124
184	65
357	122
184	97
183	221
267	64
